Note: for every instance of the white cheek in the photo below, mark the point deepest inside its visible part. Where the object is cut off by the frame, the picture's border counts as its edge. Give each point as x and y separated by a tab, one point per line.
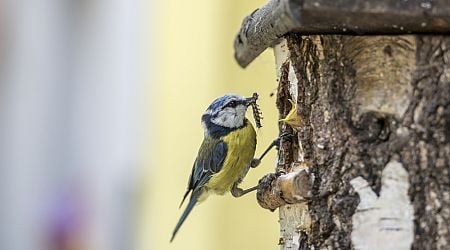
240	110
230	118
223	119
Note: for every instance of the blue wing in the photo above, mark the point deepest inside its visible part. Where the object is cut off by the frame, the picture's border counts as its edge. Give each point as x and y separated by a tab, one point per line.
209	161
210	158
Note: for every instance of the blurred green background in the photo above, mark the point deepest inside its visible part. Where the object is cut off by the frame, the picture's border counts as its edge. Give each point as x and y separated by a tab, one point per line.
100	106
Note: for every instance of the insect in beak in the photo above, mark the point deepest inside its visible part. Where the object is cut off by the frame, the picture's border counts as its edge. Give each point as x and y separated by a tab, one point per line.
257	114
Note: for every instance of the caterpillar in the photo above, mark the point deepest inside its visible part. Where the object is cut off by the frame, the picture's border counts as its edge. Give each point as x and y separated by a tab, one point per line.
257	114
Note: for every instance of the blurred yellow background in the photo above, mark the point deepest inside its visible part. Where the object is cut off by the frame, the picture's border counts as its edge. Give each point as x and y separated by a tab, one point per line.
195	64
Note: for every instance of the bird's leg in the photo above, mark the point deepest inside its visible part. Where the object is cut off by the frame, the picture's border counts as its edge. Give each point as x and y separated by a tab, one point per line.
255	162
238	192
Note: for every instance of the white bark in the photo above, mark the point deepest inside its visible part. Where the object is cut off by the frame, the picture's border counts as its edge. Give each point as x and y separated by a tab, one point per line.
384	222
294	218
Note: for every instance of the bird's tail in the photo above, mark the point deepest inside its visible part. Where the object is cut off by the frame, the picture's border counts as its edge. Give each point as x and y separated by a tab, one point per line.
192	202
184	197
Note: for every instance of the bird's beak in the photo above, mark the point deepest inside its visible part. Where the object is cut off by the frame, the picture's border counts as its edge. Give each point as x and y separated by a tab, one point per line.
250	100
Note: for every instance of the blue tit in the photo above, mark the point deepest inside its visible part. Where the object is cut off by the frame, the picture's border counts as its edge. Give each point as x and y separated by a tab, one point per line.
225	155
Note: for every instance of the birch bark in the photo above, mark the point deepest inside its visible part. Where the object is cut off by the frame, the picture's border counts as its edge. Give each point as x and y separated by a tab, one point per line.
375	132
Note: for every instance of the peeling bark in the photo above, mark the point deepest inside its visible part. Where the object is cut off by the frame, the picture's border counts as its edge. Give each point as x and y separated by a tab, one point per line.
365	102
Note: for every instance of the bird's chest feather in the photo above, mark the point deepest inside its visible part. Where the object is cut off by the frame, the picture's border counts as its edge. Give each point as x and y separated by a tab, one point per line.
241	145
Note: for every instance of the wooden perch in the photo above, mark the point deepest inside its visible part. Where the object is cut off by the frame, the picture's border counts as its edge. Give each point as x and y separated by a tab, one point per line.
266	25
278	190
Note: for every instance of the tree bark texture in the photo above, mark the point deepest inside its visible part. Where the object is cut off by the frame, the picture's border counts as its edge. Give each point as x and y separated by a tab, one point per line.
375	133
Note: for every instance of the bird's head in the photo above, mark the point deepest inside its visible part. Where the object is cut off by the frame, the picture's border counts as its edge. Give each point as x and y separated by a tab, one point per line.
228	111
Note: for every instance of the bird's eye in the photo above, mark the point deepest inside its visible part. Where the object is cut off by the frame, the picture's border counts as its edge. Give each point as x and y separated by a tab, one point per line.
231	104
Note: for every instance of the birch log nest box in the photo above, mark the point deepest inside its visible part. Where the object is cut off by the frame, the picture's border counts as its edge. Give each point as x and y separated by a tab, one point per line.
369	165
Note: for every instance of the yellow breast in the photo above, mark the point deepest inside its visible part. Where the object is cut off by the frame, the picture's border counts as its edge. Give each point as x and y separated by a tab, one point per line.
241	145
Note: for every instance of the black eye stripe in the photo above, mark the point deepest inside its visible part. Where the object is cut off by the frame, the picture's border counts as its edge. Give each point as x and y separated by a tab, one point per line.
232	104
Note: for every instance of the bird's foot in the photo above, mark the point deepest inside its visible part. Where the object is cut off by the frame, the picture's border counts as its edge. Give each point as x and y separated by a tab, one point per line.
255	162
238	192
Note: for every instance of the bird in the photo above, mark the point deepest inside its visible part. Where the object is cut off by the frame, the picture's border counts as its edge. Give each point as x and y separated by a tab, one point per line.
292	118
225	155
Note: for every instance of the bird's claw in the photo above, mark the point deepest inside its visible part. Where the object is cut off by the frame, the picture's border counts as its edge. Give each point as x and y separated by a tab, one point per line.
255	162
237	192
284	135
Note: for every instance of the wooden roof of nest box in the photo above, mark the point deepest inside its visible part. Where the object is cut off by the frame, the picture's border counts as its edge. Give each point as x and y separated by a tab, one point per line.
266	25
